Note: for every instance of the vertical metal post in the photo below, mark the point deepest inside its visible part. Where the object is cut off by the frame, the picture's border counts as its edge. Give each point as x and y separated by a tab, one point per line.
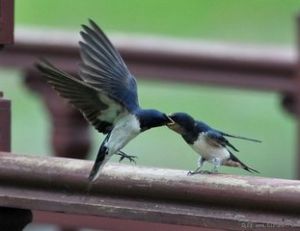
6	22
297	98
70	131
10	218
5	124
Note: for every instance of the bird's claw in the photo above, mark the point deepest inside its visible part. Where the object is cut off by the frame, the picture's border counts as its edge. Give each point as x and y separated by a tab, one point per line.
129	157
190	173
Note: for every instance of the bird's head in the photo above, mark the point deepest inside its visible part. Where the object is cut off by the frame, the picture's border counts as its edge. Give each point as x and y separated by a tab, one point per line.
152	118
182	123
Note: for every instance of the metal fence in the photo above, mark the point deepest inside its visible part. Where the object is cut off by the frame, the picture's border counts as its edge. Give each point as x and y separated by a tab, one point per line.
56	190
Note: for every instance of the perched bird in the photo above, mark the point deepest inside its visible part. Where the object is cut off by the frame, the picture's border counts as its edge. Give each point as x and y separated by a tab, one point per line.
209	143
105	93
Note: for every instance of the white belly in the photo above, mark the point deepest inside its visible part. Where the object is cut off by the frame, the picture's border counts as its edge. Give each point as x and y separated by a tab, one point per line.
125	130
207	151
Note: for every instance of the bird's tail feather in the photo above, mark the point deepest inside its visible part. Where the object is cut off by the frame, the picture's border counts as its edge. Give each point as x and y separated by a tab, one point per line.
249	169
241	137
242	165
101	159
98	163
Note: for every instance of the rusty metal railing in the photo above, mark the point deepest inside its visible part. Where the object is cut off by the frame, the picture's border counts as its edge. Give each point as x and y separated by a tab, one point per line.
148	194
127	198
11	218
6	22
247	66
252	67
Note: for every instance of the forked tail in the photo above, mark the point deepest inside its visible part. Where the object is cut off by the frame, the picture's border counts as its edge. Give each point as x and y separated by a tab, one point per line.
100	160
242	165
241	137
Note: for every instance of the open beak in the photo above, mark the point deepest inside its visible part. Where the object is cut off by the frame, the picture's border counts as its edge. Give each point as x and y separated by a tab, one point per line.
171	121
174	126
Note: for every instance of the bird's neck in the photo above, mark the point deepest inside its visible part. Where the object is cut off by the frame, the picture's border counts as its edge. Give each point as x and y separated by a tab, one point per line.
190	137
148	119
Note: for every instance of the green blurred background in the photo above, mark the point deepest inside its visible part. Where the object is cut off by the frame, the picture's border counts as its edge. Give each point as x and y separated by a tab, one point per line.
249	113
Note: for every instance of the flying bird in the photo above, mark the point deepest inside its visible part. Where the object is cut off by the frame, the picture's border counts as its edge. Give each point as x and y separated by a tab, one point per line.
105	93
209	143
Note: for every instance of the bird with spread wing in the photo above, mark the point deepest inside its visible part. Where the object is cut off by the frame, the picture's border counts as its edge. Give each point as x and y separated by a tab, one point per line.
105	93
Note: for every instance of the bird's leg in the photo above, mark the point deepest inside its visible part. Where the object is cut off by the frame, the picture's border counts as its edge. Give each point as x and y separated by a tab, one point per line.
124	155
198	169
217	163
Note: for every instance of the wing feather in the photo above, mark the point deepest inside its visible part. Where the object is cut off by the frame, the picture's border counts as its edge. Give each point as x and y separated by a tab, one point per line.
94	104
103	68
219	139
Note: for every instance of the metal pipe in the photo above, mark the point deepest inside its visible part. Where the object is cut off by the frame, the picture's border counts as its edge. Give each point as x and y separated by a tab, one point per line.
148	194
255	67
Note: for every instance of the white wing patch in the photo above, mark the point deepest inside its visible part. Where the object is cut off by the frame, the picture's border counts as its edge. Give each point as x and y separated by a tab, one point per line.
112	112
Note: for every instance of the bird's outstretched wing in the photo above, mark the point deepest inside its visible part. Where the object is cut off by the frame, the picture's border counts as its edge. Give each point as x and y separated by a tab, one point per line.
218	139
103	67
98	108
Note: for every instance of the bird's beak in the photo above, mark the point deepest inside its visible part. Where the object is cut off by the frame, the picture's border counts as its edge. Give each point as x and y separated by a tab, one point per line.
171	121
174	126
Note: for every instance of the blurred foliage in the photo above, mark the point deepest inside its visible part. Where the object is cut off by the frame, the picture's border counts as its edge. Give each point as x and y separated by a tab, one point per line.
232	20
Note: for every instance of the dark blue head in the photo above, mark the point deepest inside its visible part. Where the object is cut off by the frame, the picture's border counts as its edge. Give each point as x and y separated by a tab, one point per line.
183	123
151	118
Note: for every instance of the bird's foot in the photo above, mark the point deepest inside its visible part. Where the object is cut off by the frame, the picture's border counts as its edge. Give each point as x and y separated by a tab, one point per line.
190	173
123	155
129	157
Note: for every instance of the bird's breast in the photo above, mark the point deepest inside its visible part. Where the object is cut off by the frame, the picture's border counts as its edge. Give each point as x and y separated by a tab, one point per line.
125	129
209	151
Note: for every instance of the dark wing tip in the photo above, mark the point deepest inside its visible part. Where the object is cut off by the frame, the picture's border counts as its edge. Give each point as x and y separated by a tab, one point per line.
234	148
82	33
81	43
42	65
41	62
93	23
85	27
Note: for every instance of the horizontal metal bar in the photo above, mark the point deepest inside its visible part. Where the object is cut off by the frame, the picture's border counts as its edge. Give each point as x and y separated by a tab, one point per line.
148	194
111	224
248	66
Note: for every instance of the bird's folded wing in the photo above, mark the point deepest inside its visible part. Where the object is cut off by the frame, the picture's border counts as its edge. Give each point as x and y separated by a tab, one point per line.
99	109
103	68
217	139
